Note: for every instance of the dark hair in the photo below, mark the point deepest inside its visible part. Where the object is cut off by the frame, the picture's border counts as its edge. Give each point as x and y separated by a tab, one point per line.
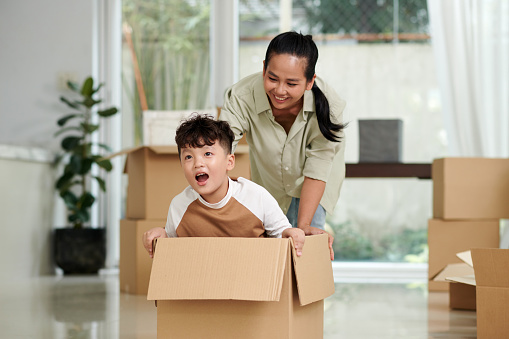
200	130
303	46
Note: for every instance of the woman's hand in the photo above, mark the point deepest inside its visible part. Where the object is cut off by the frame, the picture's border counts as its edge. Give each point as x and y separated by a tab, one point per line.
150	235
298	238
310	230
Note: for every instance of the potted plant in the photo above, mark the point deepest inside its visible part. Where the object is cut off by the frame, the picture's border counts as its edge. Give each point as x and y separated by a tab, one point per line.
81	249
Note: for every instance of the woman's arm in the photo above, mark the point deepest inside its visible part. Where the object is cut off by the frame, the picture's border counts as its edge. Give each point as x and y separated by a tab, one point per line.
310	196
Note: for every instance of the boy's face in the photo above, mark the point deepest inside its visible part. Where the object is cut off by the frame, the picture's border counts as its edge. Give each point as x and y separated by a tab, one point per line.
206	168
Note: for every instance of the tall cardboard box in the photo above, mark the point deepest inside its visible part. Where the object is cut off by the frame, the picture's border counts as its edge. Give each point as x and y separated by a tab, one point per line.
448	237
470	188
155	177
135	263
249	288
492	279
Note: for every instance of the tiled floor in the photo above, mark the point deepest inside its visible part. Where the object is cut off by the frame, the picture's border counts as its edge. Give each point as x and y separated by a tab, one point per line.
93	308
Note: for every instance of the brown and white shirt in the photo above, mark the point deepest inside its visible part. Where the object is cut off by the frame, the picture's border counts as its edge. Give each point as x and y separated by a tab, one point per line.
247	210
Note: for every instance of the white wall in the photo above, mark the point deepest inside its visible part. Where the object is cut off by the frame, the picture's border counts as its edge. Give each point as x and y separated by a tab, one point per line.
40	40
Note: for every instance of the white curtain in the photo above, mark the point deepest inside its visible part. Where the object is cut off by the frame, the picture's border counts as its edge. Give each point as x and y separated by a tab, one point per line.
471	43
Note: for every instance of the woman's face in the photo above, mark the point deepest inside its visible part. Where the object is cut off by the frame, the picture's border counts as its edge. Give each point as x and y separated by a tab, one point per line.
284	81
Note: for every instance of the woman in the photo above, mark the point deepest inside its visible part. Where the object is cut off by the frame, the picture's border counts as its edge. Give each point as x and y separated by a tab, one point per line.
293	125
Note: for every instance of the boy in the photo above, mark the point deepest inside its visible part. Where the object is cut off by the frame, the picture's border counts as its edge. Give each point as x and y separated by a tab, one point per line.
215	205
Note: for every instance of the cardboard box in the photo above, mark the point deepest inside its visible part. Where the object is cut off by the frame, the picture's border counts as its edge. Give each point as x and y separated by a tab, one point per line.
448	237
492	279
155	177
240	288
462	293
135	263
470	188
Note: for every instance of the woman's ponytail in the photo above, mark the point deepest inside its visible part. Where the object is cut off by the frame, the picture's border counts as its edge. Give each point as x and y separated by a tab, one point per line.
328	128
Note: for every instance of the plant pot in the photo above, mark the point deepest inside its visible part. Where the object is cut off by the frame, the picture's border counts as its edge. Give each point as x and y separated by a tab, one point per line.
80	251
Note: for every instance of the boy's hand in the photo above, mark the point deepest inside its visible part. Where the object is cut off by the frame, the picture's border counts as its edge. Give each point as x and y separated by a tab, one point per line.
150	235
310	230
298	237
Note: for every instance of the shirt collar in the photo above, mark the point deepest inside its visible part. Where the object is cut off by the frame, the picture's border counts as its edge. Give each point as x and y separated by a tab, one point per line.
260	97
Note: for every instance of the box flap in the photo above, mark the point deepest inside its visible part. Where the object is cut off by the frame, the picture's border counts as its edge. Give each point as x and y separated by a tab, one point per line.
454	270
218	268
313	270
491	267
124	151
468	279
164	149
466	257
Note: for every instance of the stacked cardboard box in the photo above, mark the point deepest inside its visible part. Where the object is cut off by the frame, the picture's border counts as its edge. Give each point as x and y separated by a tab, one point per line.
470	196
154	178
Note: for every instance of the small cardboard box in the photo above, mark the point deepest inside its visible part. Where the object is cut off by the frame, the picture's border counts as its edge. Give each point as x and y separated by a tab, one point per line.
155	177
470	188
492	279
448	237
462	293
250	288
135	263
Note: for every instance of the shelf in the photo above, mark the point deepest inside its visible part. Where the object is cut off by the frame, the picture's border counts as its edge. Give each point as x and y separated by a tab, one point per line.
388	170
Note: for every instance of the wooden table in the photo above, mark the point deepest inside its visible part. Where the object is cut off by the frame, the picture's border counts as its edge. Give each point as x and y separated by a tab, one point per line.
388	170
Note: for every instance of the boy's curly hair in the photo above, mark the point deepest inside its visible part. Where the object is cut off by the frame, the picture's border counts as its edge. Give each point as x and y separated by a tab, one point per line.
200	130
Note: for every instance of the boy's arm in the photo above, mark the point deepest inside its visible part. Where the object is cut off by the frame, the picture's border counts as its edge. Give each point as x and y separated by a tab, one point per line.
150	235
298	237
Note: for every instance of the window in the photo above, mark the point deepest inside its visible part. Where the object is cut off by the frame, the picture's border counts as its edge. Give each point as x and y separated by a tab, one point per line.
165	59
378	57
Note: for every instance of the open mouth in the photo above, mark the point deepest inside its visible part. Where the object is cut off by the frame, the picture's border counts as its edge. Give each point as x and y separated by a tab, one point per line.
201	177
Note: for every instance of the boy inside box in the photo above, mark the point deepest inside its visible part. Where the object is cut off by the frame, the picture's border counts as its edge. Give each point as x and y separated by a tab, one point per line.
215	205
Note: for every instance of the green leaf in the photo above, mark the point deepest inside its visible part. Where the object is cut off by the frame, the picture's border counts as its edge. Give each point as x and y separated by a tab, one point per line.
67	186
80	165
89	128
70	142
103	146
105	164
75	163
78	218
108	112
86	165
70	199
63	180
102	183
98	88
63	130
73	86
89	102
86	200
75	104
62	121
87	87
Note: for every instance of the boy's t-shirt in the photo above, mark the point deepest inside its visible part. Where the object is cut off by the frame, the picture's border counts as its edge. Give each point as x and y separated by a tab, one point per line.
247	210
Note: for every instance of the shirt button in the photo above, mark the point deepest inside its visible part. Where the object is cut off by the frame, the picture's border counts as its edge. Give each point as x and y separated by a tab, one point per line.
286	168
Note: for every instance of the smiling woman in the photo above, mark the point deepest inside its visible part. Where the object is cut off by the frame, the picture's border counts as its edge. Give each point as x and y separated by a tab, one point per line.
293	125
